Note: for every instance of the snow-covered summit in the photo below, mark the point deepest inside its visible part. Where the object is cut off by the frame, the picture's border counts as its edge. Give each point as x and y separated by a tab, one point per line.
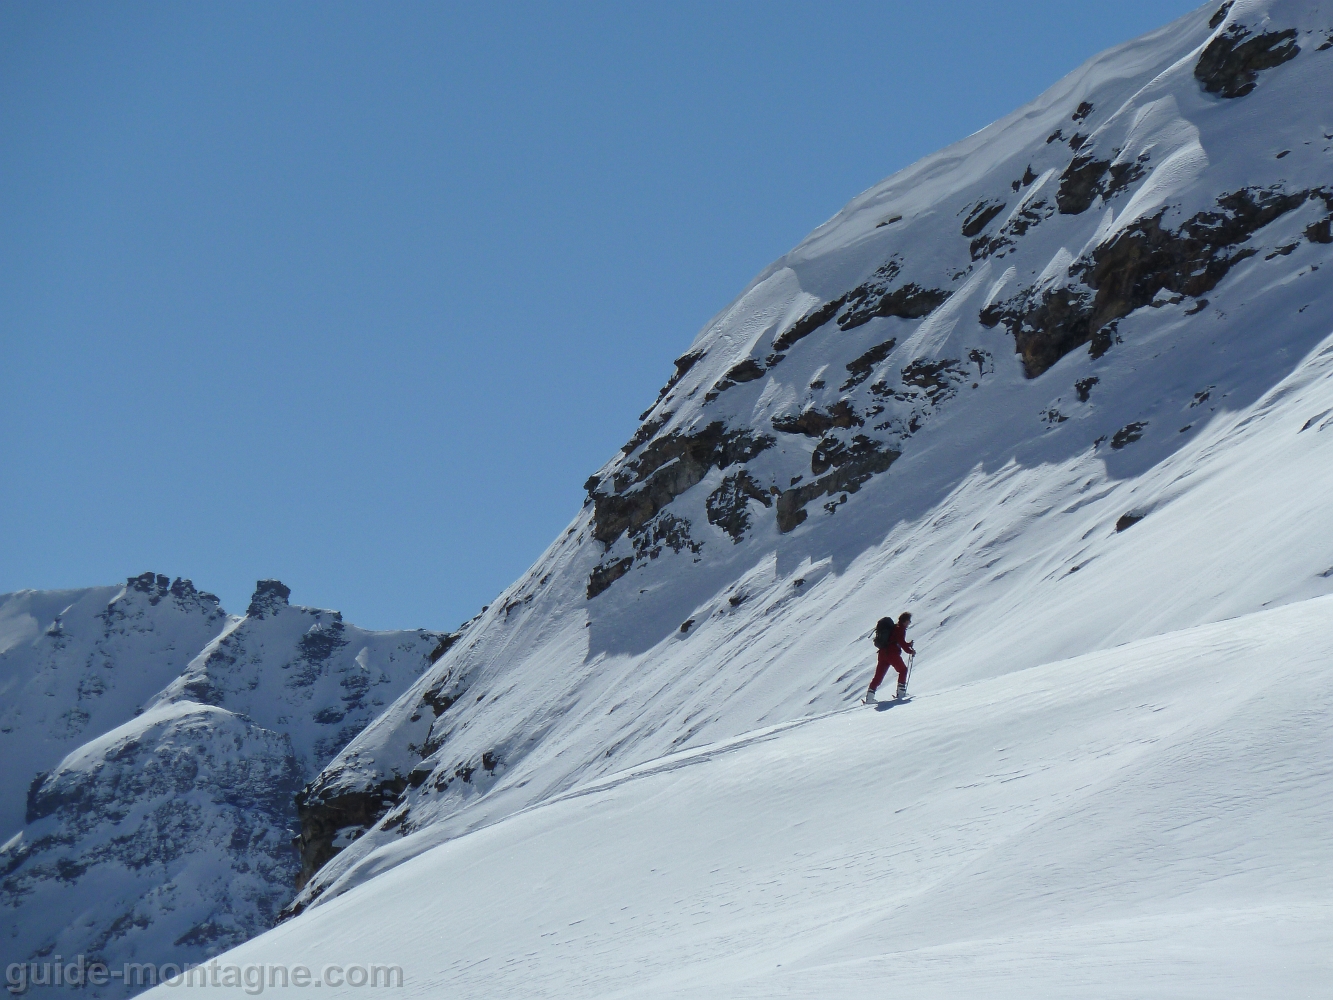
167	834
76	663
970	393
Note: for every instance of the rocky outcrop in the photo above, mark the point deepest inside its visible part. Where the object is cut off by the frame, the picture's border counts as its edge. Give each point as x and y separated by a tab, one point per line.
332	820
738	374
1087	178
683	365
1231	63
878	297
728	506
853	464
861	368
1015	227
815	423
166	840
667	467
269	596
980	217
605	574
805	326
1127	271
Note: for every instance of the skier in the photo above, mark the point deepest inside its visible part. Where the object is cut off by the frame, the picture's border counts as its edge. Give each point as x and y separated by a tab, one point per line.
890	639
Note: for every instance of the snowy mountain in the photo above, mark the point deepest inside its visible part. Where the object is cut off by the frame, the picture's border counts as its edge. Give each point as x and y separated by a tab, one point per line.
168	835
77	663
1059	390
1047	375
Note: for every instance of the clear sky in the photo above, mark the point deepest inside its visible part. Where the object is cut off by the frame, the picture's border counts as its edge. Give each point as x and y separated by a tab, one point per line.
358	295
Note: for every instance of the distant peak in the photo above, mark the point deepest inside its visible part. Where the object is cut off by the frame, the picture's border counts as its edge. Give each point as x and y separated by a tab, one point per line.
158	586
149	583
269	596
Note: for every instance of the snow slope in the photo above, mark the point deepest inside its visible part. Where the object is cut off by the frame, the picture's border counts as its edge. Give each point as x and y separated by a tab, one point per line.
169	836
1060	390
1071	372
1149	820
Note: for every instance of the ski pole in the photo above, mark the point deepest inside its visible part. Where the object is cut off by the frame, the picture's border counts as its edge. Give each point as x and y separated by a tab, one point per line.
911	661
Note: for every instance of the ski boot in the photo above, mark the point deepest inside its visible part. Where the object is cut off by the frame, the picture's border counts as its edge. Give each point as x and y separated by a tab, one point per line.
901	693
870	698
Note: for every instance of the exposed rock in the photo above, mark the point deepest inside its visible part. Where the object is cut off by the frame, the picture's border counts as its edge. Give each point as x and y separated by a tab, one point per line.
664	530
1016	226
177	822
269	596
665	469
446	643
1127	521
854	466
323	817
861	368
1082	111
603	576
814	423
1231	63
805	326
1086	178
980	216
646	430
1220	14
747	371
683	365
728	506
323	639
1128	434
442	694
1084	387
1128	271
936	380
875	298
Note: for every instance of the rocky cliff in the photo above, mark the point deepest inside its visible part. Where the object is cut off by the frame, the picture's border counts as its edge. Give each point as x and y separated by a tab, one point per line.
1057	314
168	836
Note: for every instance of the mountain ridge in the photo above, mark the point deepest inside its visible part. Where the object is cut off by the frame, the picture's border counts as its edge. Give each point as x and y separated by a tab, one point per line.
168	834
1068	301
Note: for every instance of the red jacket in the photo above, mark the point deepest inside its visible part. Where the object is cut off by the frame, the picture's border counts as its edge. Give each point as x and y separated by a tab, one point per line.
898	640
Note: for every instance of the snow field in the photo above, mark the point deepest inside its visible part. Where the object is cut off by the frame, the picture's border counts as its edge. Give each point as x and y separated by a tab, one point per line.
1149	820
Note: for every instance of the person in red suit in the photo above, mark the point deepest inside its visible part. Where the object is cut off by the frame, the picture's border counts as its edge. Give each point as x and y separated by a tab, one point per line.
891	641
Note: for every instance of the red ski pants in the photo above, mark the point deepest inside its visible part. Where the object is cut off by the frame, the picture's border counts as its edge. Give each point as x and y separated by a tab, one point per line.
887	658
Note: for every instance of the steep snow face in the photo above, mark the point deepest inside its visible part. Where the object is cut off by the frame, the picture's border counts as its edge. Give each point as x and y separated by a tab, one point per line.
1149	820
960	395
1057	373
76	663
169	837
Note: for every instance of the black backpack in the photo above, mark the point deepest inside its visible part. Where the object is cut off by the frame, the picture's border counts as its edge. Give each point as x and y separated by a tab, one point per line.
884	634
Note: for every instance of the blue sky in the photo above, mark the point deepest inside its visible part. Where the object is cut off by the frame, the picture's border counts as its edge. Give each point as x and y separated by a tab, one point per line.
358	295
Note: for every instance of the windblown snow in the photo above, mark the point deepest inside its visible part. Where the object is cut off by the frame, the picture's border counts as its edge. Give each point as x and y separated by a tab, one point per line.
1060	391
